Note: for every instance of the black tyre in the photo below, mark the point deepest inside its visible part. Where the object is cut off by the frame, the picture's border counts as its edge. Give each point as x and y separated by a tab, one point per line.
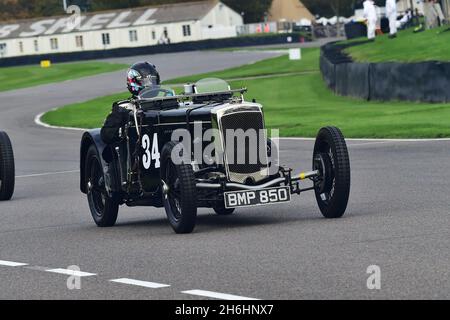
104	209
7	170
180	197
331	159
220	209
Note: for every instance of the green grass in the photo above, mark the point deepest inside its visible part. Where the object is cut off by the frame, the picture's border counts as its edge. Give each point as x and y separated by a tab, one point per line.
90	114
12	78
273	66
298	105
407	47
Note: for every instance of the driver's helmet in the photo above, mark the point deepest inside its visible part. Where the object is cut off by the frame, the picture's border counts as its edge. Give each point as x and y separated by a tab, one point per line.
142	75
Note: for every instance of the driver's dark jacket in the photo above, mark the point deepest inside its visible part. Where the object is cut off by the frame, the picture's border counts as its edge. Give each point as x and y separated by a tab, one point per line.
114	121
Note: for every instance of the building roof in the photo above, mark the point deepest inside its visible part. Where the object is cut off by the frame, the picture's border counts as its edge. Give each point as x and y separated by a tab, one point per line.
289	10
178	12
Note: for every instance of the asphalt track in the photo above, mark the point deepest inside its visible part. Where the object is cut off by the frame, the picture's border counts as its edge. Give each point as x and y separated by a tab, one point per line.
398	219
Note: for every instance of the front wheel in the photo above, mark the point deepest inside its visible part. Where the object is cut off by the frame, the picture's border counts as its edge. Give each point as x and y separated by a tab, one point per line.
7	170
179	190
331	159
104	209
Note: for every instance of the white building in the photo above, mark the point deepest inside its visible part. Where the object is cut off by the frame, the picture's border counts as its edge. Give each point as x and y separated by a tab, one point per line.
137	27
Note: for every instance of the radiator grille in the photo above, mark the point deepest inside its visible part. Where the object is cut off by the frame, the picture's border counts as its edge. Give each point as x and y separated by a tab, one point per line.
245	145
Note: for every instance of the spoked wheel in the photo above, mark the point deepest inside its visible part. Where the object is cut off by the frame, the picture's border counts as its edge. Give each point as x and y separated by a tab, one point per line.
7	171
332	188
103	208
179	192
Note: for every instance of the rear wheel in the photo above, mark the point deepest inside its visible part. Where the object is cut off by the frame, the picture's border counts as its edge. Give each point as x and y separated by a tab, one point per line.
180	194
7	170
104	209
331	158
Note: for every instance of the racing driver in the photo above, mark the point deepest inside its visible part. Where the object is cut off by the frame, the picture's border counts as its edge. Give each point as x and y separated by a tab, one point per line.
140	76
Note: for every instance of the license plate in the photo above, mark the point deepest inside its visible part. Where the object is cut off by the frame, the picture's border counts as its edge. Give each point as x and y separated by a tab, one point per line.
261	197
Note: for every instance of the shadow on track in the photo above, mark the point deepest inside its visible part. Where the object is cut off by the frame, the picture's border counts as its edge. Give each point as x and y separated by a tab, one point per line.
211	222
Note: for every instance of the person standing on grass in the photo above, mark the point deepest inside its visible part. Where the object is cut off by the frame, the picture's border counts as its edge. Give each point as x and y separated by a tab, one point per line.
391	13
370	13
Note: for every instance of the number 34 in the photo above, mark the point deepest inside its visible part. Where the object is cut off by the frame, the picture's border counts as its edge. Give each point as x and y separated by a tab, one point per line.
148	156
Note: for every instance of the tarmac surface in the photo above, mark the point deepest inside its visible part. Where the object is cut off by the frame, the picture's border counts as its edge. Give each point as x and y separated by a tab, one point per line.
398	219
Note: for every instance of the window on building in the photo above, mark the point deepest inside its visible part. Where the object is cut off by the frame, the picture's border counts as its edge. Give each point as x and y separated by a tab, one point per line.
54	43
21	46
186	30
79	41
106	39
36	45
153	35
3	49
133	36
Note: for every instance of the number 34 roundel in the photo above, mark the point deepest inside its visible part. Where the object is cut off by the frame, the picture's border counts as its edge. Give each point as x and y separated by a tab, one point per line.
151	152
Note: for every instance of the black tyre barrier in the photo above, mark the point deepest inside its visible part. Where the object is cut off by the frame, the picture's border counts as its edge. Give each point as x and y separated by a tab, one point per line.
425	81
418	82
353	80
244	41
328	70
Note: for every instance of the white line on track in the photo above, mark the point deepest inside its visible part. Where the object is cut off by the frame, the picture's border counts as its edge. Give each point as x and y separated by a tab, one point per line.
366	144
12	263
139	283
39	122
216	295
71	272
47	174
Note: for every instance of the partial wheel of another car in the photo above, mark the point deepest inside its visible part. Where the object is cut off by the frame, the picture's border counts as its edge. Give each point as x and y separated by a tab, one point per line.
7	168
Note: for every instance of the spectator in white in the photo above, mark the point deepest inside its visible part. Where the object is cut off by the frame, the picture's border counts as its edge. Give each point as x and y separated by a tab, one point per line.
391	13
370	13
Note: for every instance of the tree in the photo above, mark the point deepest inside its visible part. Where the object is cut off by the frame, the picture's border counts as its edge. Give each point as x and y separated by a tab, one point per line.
85	5
253	10
329	8
46	7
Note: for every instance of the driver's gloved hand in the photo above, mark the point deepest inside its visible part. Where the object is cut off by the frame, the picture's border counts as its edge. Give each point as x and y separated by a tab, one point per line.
114	121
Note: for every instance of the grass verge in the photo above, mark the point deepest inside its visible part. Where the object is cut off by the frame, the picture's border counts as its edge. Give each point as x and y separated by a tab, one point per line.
12	78
429	45
273	66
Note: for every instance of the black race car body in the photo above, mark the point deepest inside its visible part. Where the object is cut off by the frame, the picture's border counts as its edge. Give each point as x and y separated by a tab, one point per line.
214	170
157	127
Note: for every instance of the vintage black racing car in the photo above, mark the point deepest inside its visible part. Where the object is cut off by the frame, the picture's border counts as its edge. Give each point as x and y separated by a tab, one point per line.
179	152
7	172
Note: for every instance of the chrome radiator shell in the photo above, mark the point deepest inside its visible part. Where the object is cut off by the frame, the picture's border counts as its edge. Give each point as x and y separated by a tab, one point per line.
248	118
